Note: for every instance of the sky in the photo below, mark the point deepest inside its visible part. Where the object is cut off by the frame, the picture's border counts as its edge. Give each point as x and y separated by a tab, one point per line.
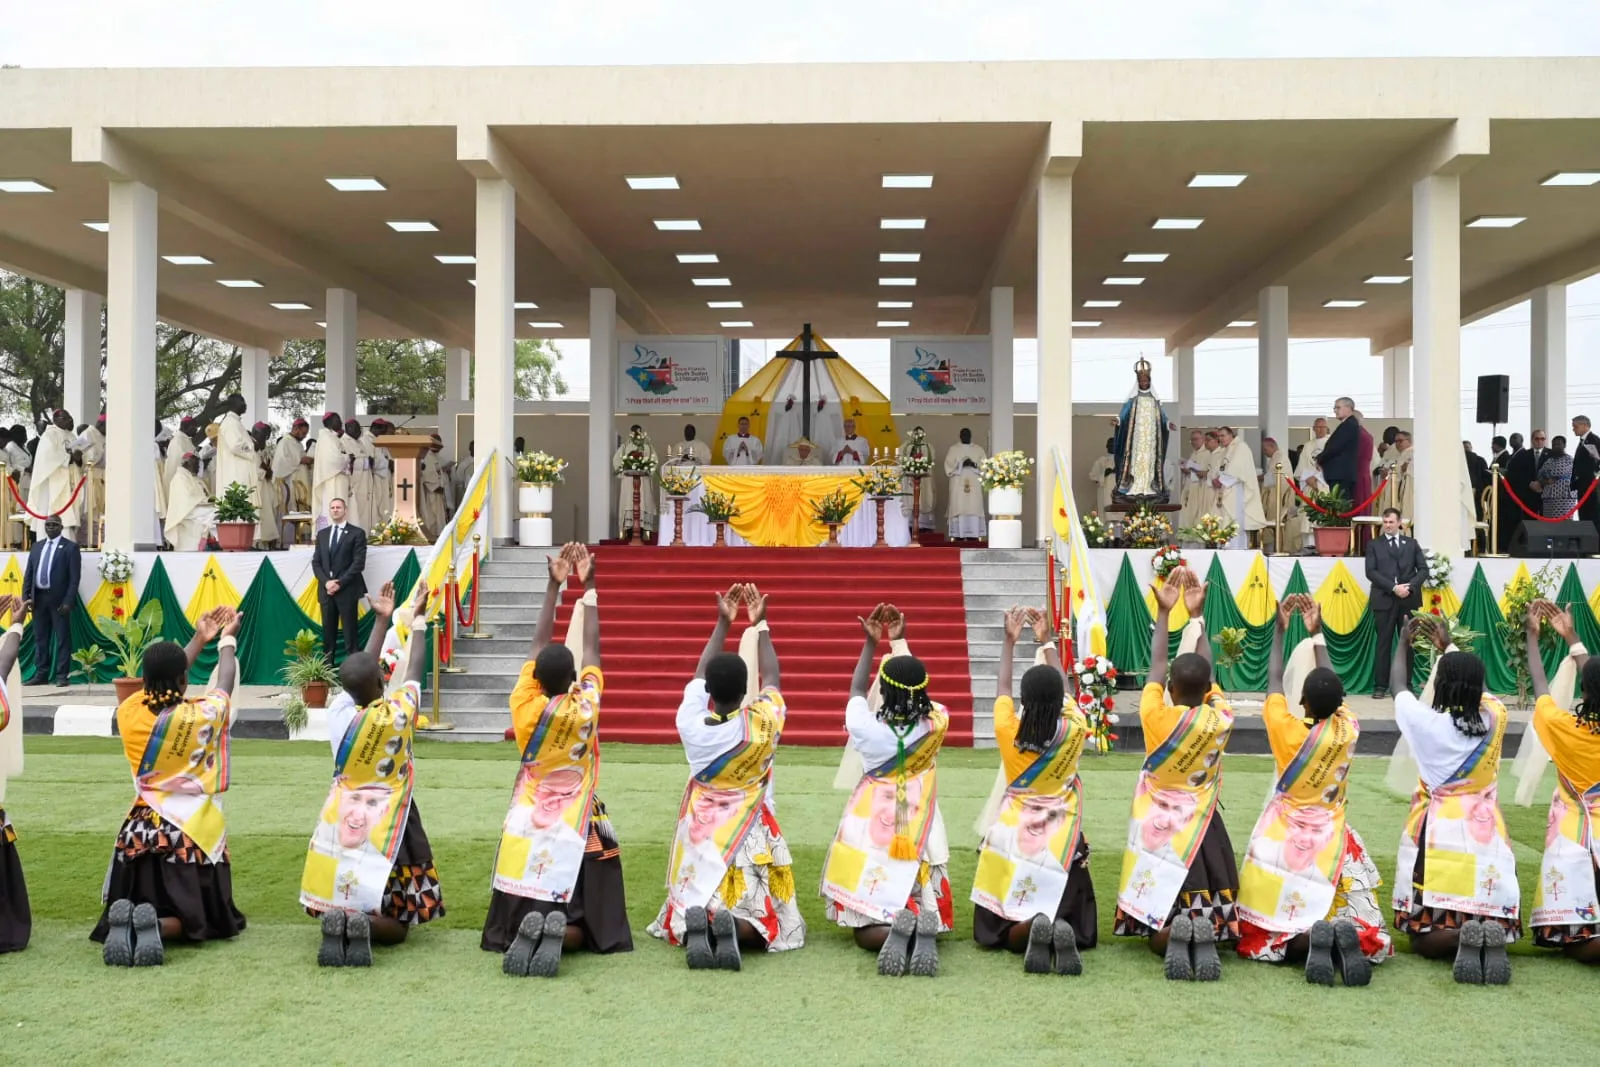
156	33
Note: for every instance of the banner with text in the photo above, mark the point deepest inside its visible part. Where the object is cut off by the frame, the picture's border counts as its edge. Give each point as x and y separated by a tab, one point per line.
670	374
940	374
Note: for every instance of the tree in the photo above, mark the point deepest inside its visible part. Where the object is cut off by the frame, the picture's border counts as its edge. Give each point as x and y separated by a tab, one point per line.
538	377
33	319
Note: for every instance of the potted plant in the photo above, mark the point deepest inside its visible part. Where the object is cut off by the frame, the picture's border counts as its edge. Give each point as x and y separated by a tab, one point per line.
833	511
88	661
308	671
719	509
1330	524
132	637
677	482
236	518
1003	475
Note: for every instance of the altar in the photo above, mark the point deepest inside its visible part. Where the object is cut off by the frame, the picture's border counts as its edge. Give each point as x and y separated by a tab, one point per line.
775	509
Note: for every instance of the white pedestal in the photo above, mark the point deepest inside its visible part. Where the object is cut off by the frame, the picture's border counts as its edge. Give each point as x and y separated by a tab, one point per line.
535	533
537	499
316	726
84	720
1005	503
1005	533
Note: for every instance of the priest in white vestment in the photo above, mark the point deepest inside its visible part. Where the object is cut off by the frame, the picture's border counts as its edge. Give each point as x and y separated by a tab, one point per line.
1103	473
742	450
1308	474
636	446
181	444
358	509
17	468
207	455
916	446
965	516
382	471
1238	488
269	522
91	444
692	448
288	457
852	451
461	472
161	490
802	454
1402	456
432	508
1195	472
55	476
330	469
189	510
236	460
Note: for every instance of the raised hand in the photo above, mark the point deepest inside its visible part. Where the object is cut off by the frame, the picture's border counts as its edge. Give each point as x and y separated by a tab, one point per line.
383	601
1015	619
1561	622
582	564
419	603
873	625
728	603
1286	609
209	626
1169	592
235	624
755	605
894	623
560	567
1538	612
1433	629
1311	614
1039	619
1194	596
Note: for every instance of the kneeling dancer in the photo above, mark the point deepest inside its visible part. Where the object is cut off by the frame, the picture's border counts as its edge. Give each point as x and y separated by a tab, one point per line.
729	881
1033	891
882	877
16	920
369	872
170	875
1179	883
558	870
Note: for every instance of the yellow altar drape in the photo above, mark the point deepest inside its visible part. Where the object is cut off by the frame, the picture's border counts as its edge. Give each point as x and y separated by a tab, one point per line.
775	509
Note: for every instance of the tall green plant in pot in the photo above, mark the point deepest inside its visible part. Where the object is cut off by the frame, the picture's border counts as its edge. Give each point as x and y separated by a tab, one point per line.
236	518
132	638
308	671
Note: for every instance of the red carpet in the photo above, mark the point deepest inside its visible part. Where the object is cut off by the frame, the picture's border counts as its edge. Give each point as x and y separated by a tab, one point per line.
657	609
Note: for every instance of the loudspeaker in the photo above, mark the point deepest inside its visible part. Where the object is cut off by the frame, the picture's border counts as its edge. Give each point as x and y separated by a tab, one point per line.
1494	398
1533	539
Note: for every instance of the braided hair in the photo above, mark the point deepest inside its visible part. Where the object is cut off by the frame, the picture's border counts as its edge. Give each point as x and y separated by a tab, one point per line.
1588	707
165	671
1458	691
905	691
1042	692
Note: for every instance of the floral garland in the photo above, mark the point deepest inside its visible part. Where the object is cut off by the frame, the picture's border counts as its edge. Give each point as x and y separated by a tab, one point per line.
636	461
1212	531
678	480
1005	470
1095	531
914	466
1439	566
1167	559
116	567
1147	528
1096	679
541	468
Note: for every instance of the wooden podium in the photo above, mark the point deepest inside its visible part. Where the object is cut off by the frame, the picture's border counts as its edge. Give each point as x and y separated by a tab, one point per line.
406	449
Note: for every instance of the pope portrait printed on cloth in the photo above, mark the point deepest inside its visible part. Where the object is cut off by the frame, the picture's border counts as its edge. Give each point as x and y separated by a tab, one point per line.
1140	445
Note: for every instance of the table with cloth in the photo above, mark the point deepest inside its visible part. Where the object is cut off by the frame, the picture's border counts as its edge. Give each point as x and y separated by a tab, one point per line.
775	509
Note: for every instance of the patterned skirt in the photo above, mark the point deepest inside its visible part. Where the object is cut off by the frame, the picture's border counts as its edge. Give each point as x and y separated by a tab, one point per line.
156	863
412	894
1077	907
598	904
761	887
1209	894
1355	899
1571	934
1422	919
16	920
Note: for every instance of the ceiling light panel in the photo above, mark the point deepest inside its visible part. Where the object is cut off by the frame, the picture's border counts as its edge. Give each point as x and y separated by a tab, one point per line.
737	324
1217	181
1496	222
1145	257
1117	279
23	185
1176	224
1343	303
239	283
1102	303
677	224
908	181
412	226
724	304
697	257
1086	324
454	261
659	181
357	185
902	224
1387	279
713	281
893	324
897	281
899	257
293	305
894	305
1573	177
188	261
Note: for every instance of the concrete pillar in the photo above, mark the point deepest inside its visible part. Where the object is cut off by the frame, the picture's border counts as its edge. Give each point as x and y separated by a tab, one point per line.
1547	363
602	387
130	366
495	339
1272	364
341	358
1002	342
457	396
1054	315
254	364
1397	382
1436	330
81	379
1183	398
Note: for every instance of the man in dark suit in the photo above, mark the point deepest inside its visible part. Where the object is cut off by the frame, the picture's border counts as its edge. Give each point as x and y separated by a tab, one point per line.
51	583
1508	511
1521	474
1396	569
1586	467
1339	455
337	561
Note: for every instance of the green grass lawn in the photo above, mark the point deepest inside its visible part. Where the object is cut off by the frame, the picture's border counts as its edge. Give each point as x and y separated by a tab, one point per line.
262	999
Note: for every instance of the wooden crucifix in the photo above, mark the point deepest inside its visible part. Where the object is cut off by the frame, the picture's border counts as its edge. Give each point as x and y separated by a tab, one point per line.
807	354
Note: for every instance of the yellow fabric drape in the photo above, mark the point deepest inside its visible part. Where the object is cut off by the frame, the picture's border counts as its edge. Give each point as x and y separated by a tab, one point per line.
775	509
1256	600
1341	600
1522	575
1180	614
214	590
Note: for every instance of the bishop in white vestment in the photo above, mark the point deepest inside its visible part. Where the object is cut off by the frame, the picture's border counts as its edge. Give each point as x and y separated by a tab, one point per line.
189	508
965	514
330	469
55	477
1236	481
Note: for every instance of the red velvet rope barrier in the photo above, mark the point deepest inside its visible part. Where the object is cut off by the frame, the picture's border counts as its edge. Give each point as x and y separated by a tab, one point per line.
24	505
468	620
1352	513
1535	515
444	637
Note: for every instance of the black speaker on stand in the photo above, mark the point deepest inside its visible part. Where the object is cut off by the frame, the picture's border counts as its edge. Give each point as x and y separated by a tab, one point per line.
1533	539
1494	398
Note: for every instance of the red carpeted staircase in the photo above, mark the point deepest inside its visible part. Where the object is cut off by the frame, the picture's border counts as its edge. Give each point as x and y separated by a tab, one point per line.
657	609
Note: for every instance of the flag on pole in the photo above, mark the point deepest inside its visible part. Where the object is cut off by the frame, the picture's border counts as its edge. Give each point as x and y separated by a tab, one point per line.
1085	607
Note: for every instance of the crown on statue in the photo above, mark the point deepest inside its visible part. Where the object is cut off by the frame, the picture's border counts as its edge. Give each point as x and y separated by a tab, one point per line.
1142	367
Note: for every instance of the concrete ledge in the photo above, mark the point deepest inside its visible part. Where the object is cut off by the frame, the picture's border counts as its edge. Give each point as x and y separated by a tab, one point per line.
82	720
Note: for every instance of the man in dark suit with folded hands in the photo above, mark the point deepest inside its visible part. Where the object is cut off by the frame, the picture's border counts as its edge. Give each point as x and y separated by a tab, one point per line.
1339	455
338	562
1396	571
51	584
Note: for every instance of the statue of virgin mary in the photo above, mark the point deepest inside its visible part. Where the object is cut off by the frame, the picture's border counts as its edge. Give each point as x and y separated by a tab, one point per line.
1140	446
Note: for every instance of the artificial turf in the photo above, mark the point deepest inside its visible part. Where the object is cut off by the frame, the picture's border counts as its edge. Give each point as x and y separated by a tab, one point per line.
439	999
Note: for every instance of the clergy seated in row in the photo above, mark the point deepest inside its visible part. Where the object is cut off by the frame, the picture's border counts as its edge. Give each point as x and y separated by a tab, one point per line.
742	449
189	510
962	465
802	454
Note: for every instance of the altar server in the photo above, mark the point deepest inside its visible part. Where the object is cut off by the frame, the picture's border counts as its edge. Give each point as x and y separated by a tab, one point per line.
962	464
558	871
1032	891
729	880
369	871
16	921
330	468
1179	883
170	874
742	449
886	873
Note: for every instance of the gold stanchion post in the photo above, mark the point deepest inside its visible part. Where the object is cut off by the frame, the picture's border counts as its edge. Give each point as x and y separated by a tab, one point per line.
1277	509
1494	516
477	634
450	604
436	720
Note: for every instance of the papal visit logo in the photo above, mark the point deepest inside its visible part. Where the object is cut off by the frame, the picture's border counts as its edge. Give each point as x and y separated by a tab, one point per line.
652	371
932	372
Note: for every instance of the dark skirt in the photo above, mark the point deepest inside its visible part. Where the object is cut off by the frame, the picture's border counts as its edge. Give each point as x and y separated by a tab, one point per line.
156	863
16	920
1210	893
1571	934
598	904
412	894
1077	907
1425	920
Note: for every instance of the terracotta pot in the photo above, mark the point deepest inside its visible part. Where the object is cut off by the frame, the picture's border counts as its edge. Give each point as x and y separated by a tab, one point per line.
236	536
1332	540
315	694
127	687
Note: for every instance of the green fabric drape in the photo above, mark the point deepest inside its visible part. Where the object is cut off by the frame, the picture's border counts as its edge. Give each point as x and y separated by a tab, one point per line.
1249	675
271	618
83	633
1480	611
175	624
1353	654
1128	625
1296	631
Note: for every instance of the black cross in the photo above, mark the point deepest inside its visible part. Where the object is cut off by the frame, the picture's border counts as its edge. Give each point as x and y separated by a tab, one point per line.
405	490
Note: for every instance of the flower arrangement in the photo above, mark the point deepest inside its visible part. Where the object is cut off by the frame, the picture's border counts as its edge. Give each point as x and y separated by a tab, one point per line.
915	466
1095	531
1520	595
678	480
541	468
1167	559
1212	531
717	507
116	567
1230	646
1439	566
834	509
1005	470
1096	679
1147	528
636	460
878	481
397	531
